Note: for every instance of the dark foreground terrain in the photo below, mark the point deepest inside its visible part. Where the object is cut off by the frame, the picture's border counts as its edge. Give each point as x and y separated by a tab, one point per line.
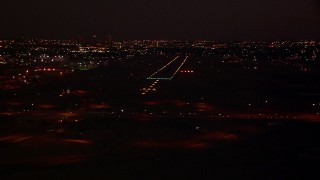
215	119
163	148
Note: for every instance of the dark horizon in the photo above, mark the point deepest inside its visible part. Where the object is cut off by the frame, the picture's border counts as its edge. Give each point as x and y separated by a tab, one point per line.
102	39
171	20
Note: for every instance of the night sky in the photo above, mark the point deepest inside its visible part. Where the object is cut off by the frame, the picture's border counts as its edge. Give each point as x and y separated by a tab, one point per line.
161	19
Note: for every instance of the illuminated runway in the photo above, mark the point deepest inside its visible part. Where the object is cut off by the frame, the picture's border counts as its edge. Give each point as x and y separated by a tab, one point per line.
170	70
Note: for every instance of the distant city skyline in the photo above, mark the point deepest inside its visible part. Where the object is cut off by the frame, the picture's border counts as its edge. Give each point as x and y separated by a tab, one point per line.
176	19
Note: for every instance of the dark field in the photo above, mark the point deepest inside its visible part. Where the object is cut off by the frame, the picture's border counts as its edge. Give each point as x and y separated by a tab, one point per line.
167	149
226	120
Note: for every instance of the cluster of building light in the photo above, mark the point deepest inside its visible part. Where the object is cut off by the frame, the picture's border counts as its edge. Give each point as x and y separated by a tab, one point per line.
21	78
91	49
